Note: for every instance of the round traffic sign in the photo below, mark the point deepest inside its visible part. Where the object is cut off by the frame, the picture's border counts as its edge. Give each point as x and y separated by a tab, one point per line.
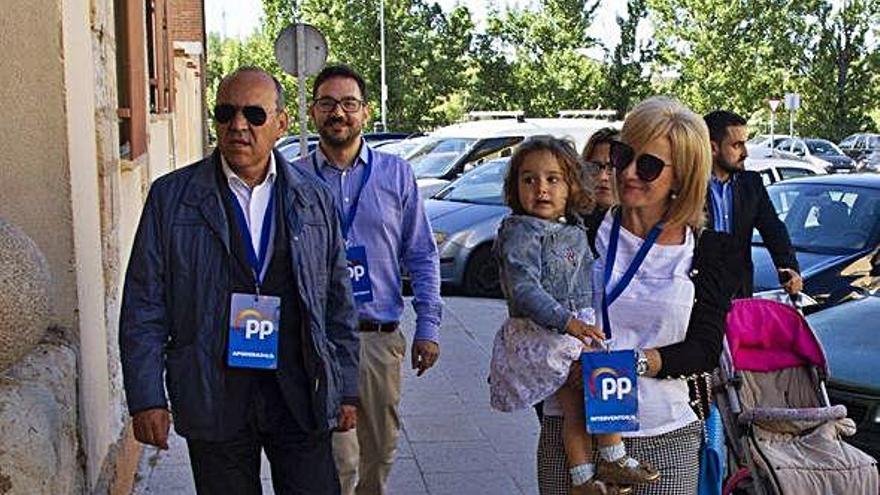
315	53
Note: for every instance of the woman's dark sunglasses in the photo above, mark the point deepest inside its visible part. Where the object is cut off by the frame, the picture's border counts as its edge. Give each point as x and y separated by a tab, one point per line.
648	167
256	116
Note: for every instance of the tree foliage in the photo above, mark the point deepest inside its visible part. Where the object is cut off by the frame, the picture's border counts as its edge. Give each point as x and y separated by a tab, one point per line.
732	55
534	60
841	85
709	53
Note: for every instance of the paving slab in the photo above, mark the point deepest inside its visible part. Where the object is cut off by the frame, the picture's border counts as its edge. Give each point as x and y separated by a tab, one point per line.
451	442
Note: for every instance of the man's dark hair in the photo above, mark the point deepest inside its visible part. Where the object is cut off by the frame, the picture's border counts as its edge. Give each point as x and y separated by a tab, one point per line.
339	70
279	89
718	122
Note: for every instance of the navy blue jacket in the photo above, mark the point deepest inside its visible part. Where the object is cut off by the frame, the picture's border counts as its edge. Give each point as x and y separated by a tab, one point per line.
177	294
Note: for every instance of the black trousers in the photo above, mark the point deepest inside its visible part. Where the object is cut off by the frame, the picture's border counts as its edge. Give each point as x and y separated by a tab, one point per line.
301	463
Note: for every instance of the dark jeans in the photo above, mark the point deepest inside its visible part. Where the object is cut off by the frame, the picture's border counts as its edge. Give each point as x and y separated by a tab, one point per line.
301	463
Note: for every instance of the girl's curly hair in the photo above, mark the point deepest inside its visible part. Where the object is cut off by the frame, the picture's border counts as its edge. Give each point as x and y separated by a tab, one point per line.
580	194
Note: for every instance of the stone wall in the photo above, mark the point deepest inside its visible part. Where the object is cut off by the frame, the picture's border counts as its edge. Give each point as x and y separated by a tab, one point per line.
38	423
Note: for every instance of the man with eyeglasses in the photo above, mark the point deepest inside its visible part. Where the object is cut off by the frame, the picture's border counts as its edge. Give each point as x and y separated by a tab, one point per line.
237	292
738	203
385	229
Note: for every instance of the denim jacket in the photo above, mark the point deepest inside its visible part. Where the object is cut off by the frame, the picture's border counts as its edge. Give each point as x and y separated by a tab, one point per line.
545	268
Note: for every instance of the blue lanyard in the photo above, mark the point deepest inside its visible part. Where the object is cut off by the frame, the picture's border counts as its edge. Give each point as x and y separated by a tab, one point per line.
610	297
347	221
257	261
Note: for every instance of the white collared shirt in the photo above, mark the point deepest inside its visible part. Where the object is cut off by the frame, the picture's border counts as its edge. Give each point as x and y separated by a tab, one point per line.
253	203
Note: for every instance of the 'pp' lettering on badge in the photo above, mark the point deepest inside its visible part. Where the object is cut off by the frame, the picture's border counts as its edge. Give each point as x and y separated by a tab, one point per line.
359	273
611	394
254	323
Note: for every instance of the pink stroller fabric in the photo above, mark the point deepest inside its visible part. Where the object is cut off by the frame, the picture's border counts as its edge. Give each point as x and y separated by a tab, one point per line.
765	335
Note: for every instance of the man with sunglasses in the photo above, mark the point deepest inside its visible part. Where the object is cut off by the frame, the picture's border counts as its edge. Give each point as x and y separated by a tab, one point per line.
385	229
237	292
738	203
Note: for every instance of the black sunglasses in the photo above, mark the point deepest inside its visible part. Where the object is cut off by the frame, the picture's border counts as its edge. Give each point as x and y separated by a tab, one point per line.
255	115
648	167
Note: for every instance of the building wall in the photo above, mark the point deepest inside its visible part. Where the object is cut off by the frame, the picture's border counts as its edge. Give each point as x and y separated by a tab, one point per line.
33	151
186	20
65	185
94	384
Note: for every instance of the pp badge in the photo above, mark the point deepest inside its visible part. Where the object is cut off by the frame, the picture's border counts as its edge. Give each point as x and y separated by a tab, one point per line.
359	273
611	395
254	322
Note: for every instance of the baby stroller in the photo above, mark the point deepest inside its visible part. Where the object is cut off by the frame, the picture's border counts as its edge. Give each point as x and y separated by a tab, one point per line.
783	435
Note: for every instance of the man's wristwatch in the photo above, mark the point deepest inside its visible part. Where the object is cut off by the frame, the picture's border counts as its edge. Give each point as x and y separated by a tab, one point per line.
641	362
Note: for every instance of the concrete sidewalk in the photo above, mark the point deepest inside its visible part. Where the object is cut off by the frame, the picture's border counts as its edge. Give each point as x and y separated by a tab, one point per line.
452	442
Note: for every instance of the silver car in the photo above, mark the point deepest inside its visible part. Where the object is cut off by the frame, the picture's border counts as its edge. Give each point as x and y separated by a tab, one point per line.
465	216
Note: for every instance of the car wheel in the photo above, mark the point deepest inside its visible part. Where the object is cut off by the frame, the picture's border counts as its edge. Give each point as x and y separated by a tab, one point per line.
481	274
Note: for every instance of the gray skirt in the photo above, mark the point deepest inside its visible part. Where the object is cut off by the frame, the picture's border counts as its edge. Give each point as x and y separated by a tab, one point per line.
675	454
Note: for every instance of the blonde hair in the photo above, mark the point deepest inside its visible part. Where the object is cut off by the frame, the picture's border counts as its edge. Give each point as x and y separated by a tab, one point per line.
663	117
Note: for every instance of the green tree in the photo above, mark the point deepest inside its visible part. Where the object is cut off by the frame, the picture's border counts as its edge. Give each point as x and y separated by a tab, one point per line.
627	77
840	90
732	55
427	52
534	60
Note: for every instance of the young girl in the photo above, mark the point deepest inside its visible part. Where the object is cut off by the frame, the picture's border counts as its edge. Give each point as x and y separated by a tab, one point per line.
546	275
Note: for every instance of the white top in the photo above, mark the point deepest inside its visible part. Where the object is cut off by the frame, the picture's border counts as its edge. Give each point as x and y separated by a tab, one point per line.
254	202
653	311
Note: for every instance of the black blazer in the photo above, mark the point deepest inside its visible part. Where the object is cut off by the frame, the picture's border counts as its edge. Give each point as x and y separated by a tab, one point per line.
752	209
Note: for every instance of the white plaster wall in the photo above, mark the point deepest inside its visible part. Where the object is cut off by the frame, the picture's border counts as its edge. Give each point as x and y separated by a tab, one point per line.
159	148
94	400
188	109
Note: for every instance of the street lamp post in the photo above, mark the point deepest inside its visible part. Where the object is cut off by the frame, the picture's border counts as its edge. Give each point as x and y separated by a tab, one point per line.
384	91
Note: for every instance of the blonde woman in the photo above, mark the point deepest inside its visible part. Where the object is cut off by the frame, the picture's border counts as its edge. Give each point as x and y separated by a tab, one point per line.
672	310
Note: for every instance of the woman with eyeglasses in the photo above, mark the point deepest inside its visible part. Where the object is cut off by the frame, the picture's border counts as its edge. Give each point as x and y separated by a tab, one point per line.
664	295
597	166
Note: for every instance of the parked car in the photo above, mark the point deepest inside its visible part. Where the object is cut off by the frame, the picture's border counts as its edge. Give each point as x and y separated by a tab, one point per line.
848	333
871	162
834	224
290	147
765	141
820	152
859	146
402	147
379	138
774	166
465	216
450	151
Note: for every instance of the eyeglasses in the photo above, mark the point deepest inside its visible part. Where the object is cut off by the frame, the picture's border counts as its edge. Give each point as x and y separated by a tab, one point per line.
596	168
255	115
648	167
328	104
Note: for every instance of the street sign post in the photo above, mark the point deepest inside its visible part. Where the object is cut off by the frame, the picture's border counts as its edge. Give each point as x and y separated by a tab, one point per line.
301	51
792	103
774	104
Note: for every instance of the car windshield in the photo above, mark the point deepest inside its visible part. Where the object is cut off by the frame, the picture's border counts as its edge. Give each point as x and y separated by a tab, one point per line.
826	219
483	185
822	147
435	157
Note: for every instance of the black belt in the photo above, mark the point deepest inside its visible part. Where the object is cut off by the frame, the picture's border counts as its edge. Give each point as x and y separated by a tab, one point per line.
372	326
